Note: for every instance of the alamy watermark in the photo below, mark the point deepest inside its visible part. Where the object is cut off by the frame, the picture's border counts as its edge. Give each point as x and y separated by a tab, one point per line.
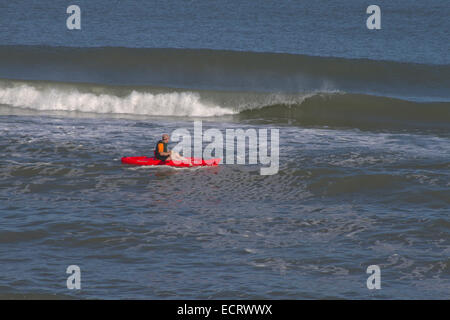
74	280
374	280
73	22
373	22
259	149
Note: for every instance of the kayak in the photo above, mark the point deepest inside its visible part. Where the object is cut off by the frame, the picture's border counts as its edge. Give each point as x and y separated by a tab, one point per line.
146	161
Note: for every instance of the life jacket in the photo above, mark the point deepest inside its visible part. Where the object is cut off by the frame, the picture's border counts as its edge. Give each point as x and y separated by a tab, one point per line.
156	148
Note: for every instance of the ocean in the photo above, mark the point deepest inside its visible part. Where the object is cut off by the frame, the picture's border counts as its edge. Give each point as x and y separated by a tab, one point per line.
364	145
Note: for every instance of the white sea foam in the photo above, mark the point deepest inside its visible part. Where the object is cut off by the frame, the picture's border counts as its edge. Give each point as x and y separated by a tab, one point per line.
161	104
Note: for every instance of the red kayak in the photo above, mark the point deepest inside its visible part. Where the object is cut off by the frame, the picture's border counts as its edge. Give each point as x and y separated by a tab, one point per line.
146	161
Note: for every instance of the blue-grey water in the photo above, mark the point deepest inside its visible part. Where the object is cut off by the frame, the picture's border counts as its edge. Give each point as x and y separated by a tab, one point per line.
363	179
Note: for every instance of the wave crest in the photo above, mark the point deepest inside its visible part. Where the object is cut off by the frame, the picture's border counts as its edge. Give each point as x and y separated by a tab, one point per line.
138	103
225	70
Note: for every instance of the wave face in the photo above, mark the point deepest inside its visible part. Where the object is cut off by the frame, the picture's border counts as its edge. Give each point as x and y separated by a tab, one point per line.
333	108
225	70
358	111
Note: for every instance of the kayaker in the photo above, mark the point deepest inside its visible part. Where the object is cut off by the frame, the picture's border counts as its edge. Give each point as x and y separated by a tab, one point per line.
161	151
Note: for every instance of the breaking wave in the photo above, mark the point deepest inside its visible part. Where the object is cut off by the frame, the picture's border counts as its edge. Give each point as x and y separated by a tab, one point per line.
332	108
225	70
137	103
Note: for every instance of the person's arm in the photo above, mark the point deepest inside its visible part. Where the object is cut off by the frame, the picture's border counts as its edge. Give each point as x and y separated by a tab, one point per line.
161	150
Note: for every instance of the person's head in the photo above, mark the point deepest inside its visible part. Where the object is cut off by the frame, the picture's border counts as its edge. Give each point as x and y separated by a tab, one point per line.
165	137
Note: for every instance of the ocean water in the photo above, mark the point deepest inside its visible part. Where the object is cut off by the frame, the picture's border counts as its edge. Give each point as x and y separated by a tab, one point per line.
363	178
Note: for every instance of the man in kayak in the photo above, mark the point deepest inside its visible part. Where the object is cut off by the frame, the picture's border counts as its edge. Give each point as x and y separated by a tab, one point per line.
161	151
164	154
